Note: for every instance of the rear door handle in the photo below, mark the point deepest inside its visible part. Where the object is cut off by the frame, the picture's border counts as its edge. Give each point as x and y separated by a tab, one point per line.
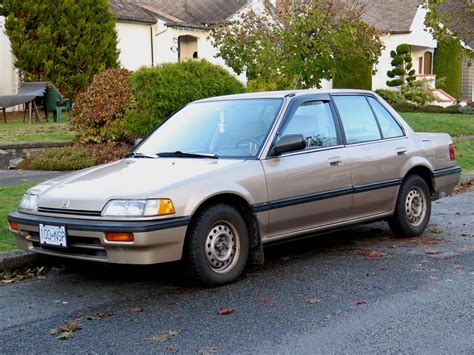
402	150
335	161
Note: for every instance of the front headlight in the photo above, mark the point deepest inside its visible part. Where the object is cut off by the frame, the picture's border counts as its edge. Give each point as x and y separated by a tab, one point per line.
138	208
28	202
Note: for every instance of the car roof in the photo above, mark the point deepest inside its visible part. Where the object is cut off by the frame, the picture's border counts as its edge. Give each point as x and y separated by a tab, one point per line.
284	93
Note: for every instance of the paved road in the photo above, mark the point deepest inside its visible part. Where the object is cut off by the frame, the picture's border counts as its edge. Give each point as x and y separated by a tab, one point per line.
15	177
337	293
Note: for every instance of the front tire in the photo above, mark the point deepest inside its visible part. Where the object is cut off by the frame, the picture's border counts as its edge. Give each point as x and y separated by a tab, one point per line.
217	246
413	209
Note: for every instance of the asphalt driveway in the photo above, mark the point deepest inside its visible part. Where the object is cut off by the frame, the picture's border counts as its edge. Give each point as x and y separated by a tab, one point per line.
356	291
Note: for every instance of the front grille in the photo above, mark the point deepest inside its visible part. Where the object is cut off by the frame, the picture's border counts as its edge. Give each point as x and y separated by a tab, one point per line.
78	246
69	212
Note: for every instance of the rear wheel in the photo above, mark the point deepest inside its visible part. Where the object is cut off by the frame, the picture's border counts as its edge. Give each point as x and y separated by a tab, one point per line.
217	246
413	209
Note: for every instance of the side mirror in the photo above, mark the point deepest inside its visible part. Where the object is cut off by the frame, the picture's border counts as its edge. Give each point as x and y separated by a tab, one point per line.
137	142
289	143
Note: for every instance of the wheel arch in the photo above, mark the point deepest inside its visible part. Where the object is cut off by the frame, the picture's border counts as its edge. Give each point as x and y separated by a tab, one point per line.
245	209
425	173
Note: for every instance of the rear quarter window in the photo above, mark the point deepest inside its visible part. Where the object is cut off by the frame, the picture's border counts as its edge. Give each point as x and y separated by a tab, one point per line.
389	126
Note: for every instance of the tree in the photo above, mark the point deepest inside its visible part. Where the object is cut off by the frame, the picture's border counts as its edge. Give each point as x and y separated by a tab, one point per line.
450	18
66	42
301	42
402	72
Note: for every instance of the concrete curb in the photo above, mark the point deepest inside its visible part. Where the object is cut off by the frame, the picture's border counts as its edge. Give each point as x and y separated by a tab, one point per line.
16	259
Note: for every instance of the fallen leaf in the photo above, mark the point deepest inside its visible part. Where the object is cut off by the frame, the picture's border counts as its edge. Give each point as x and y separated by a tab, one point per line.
436	230
104	314
314	301
373	254
432	251
165	335
137	309
265	300
170	348
285	258
226	311
66	335
359	302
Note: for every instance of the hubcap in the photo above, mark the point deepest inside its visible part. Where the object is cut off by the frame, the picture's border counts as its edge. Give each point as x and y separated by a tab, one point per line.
415	207
222	247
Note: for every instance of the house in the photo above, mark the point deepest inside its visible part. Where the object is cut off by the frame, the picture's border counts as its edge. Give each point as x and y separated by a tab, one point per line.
151	32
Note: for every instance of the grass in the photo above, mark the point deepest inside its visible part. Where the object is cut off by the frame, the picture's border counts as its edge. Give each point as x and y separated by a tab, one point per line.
9	198
15	130
454	124
465	155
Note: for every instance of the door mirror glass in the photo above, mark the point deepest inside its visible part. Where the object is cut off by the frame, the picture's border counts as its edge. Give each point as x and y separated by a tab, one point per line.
289	143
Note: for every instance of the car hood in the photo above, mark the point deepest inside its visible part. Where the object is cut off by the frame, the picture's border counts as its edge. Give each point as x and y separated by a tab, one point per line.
91	189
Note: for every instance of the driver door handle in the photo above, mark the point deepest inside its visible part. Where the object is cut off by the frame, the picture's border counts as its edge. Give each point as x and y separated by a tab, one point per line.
335	161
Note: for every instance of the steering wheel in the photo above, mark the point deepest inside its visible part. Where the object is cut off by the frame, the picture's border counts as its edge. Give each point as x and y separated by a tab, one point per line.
250	140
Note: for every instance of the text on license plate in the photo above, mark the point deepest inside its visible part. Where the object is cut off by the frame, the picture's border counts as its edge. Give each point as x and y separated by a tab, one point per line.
53	235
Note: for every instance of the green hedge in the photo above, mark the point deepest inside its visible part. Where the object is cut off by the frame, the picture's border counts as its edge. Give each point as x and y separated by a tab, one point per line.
353	75
161	90
447	66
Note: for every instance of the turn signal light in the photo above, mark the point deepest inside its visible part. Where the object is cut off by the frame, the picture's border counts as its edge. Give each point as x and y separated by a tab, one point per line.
451	152
14	226
119	237
166	207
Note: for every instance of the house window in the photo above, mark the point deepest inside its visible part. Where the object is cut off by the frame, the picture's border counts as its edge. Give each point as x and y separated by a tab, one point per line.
427	63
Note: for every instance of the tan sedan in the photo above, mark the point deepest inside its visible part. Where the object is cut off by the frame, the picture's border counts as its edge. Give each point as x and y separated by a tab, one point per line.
225	176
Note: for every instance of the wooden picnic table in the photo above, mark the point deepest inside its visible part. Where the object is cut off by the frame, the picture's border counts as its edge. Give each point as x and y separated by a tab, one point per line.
27	94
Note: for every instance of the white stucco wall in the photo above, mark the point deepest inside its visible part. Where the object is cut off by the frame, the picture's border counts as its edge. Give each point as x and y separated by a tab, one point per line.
166	45
8	76
134	43
418	37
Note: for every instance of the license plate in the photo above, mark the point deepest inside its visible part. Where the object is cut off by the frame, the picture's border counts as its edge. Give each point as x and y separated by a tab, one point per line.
53	235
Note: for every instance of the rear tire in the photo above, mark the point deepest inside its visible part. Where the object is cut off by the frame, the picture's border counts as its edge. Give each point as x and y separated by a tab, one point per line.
413	209
217	246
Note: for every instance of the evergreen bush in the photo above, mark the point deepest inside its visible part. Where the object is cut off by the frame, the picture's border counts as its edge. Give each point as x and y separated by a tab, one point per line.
161	90
66	42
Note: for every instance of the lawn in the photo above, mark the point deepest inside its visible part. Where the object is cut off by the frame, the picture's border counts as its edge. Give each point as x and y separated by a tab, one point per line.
15	130
9	198
465	155
454	124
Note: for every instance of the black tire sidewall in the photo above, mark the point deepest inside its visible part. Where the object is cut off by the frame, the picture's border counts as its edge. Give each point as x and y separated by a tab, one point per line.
399	222
197	264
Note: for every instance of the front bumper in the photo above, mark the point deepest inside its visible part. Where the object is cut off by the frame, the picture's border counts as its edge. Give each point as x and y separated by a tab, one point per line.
156	241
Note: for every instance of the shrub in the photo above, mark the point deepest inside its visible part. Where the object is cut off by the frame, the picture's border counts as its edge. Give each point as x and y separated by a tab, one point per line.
66	42
352	74
75	157
418	92
447	65
61	159
468	109
402	72
161	90
391	96
99	109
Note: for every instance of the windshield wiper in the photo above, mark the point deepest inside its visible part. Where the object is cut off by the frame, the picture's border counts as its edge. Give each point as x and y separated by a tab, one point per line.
138	155
180	154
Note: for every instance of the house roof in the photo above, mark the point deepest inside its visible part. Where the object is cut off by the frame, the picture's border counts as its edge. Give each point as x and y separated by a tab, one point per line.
395	16
177	12
130	11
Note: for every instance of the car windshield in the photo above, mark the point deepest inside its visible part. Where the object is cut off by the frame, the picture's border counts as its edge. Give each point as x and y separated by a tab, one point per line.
214	129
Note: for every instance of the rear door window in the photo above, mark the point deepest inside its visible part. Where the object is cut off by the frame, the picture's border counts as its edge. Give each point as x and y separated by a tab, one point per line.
357	118
390	128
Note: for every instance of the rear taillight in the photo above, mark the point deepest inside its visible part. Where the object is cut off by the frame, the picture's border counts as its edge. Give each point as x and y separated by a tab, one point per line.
451	152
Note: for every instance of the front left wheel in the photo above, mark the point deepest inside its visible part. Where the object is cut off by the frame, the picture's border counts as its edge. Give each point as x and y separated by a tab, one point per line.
217	246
